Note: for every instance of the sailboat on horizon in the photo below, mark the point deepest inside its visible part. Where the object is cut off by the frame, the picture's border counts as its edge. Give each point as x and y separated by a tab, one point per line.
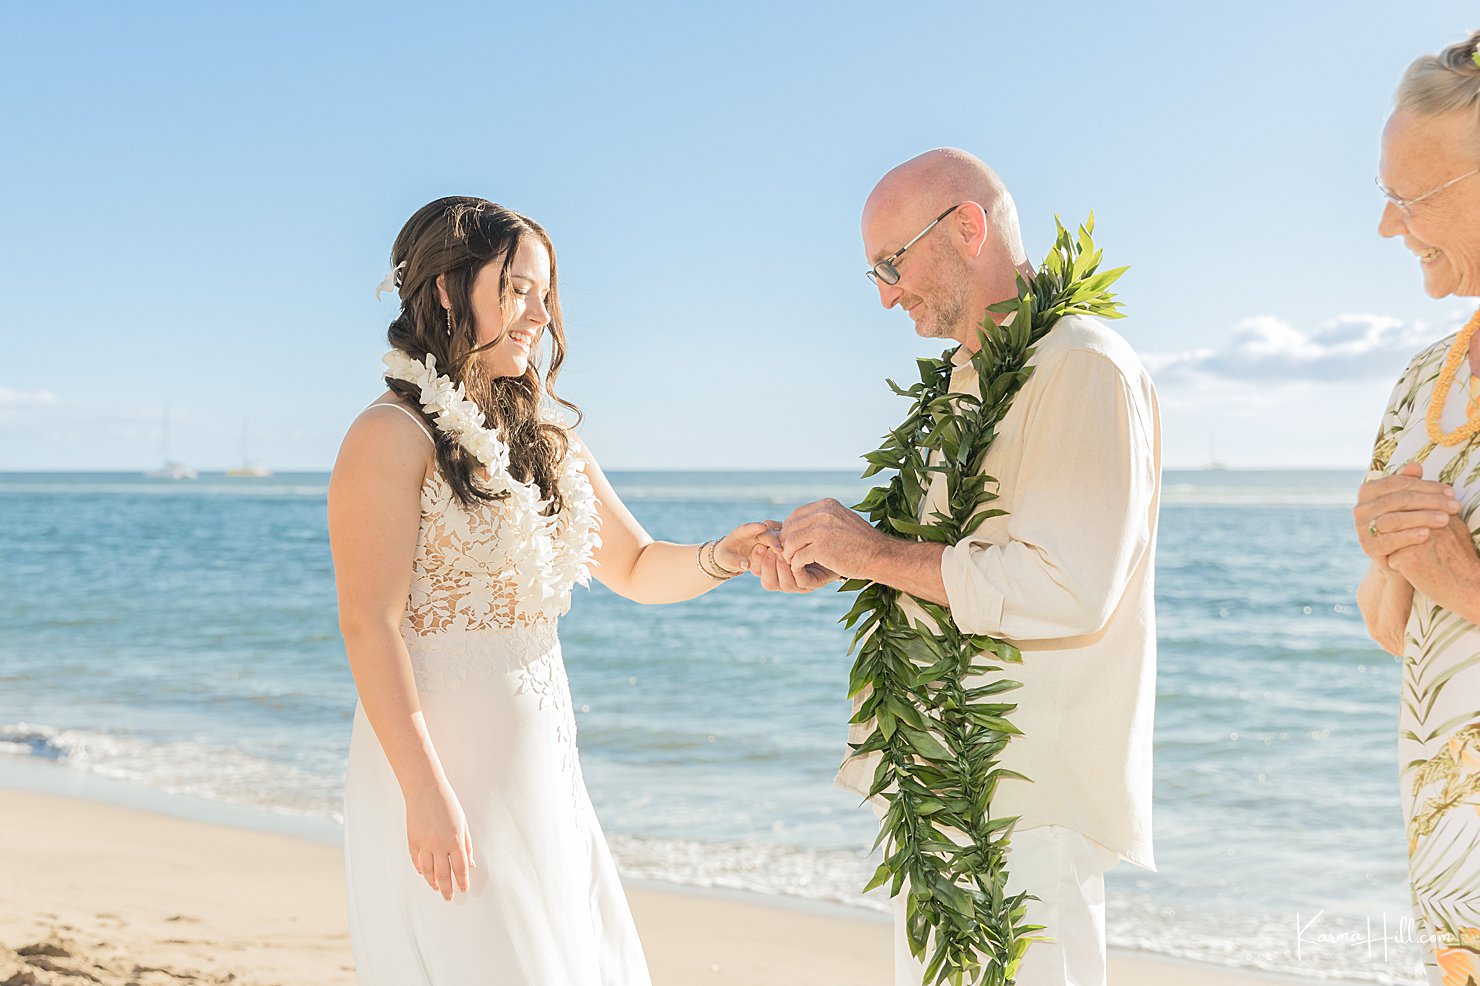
172	468
248	469
1214	463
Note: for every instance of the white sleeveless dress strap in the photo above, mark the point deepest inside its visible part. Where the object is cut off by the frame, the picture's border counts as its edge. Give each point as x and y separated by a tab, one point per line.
407	411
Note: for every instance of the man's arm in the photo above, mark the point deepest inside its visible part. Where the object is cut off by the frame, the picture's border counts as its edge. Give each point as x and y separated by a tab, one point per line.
1082	523
828	534
1079	530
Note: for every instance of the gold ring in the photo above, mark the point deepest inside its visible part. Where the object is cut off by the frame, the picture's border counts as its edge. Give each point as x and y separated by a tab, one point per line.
1372	528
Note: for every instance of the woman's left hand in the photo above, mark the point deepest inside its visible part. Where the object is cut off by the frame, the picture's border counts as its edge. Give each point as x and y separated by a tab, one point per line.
1445	568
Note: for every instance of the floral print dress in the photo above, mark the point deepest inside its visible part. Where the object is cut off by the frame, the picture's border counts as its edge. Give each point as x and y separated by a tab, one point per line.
1439	714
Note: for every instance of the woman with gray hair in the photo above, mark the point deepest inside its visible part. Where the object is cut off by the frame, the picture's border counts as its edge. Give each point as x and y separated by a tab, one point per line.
1417	514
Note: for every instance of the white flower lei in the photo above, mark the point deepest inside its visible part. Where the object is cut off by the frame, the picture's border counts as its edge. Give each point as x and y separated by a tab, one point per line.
546	558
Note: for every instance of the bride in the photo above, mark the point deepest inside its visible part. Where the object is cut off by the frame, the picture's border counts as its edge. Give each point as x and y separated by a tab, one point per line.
461	512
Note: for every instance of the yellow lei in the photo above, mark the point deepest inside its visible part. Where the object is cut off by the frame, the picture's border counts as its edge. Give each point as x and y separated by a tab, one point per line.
1457	352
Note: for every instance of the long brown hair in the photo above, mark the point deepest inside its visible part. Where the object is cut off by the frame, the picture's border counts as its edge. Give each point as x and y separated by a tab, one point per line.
456	237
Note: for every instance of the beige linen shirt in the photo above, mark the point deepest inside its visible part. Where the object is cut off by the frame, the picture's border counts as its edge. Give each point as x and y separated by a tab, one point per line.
1067	576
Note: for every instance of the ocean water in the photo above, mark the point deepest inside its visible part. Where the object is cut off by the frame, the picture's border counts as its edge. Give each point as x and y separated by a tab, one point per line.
181	637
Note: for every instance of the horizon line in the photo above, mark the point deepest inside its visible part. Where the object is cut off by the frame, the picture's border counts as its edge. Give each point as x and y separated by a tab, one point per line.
631	469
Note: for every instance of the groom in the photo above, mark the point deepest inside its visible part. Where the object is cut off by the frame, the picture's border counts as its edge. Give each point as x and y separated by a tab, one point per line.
1066	574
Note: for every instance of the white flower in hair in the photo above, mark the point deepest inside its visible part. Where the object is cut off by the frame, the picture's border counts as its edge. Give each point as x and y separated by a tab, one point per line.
391	283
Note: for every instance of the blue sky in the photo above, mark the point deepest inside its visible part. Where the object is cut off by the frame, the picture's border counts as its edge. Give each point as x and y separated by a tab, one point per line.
197	202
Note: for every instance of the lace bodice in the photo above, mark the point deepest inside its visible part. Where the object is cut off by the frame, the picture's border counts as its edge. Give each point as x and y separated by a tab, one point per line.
490	581
462	577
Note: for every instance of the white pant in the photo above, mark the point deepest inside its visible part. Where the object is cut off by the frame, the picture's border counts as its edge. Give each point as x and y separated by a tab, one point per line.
1066	871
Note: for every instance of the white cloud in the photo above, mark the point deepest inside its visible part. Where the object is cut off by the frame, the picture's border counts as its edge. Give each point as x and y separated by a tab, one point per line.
10	398
1267	349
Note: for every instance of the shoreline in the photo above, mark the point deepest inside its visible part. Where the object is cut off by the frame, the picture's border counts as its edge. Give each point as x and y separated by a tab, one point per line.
112	879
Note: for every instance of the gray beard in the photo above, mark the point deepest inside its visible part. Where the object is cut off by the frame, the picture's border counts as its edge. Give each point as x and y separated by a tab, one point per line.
950	313
938	328
952	318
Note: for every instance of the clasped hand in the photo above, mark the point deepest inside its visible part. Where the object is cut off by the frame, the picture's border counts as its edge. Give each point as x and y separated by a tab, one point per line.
1401	511
818	543
1411	527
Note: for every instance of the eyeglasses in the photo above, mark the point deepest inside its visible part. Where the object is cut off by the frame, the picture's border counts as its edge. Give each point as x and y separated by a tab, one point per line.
885	270
1406	205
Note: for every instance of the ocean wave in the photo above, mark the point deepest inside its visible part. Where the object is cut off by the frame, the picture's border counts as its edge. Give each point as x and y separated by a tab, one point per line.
1313	945
202	770
1326	948
834	876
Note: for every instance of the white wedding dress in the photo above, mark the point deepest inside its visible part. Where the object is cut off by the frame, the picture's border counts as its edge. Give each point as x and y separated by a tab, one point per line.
544	906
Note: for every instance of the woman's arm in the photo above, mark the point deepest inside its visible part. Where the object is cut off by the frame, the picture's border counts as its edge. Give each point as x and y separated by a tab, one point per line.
374	519
633	565
1385	599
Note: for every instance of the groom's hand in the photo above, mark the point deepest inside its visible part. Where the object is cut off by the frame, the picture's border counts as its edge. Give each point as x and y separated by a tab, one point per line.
775	575
828	534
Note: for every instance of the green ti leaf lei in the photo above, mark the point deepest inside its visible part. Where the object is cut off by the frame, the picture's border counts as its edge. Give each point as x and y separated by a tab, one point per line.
939	738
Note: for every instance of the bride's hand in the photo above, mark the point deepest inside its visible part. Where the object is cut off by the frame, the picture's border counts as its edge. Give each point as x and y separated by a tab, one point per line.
734	550
438	839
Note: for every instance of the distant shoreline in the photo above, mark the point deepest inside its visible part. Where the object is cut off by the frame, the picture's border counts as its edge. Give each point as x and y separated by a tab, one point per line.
851	471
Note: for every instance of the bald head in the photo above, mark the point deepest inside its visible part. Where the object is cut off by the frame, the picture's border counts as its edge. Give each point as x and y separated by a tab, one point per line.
925	186
971	259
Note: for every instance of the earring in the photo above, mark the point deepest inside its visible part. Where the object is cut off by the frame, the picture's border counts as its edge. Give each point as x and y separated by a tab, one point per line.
449	322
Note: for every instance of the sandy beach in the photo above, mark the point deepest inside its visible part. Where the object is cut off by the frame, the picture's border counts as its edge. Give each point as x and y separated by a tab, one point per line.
97	893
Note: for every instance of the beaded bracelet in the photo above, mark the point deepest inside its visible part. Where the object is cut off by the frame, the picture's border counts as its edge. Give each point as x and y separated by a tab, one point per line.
713	569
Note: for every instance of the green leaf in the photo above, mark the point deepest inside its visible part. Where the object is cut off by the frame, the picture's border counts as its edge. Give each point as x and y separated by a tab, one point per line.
925	532
886	722
880	877
992	688
905	711
925	744
861	676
